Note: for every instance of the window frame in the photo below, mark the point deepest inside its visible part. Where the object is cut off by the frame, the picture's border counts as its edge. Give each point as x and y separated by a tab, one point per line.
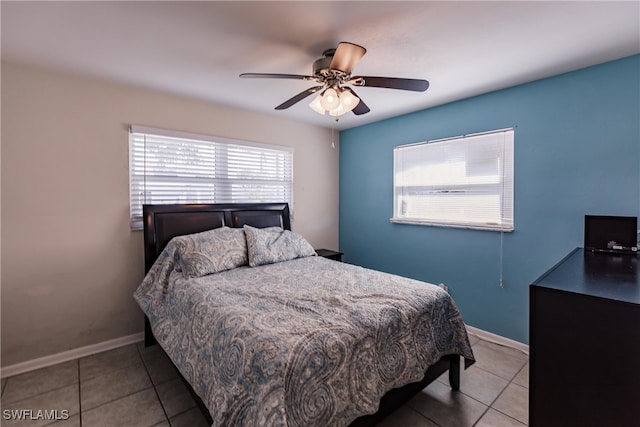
218	177
506	221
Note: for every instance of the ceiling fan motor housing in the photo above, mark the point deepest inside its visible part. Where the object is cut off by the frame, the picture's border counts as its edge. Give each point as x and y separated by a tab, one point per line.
322	66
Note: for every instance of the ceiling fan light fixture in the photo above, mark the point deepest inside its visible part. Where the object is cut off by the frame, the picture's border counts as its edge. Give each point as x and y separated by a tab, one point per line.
338	111
316	105
348	100
330	99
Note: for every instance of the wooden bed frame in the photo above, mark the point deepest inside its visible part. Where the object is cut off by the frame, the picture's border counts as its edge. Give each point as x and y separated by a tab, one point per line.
163	222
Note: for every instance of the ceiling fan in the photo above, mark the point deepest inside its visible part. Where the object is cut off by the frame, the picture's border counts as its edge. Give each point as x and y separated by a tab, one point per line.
333	73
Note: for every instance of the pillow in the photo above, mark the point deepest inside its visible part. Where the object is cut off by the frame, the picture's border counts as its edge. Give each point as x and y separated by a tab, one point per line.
211	251
273	244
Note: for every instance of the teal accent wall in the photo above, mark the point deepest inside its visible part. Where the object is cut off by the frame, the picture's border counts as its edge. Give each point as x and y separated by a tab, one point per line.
577	152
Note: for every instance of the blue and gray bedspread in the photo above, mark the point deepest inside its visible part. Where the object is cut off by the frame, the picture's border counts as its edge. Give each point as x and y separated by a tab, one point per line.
306	342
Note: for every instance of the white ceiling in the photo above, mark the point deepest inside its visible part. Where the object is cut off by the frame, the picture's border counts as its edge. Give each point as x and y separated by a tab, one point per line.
197	49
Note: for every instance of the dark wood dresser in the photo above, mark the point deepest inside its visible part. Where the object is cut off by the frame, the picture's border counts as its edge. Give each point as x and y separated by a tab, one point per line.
585	342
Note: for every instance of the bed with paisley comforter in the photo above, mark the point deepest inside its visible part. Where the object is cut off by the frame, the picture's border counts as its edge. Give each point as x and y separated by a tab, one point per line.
266	333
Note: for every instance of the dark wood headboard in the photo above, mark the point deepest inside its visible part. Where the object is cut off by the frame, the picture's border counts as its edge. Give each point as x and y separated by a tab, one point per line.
163	222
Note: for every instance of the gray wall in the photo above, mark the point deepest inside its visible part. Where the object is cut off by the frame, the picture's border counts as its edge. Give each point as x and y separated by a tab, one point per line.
69	260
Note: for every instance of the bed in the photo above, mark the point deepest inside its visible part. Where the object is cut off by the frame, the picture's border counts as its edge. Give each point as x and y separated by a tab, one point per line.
291	339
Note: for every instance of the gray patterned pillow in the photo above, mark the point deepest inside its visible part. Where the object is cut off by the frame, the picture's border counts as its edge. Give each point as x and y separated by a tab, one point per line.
273	244
211	251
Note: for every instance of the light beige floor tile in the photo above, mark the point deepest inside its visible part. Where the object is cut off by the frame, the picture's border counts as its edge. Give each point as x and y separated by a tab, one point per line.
117	390
447	408
39	381
101	363
160	368
151	351
191	418
493	418
406	417
73	421
175	397
523	376
113	385
481	385
514	401
504	349
44	408
141	409
492	358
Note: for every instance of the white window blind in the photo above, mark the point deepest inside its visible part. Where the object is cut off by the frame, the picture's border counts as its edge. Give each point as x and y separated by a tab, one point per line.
174	167
464	181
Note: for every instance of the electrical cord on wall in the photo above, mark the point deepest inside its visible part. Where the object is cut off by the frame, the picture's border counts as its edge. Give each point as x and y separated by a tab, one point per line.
501	259
502	232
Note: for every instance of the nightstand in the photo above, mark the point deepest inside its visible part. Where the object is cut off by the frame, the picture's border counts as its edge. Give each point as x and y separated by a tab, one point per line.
326	253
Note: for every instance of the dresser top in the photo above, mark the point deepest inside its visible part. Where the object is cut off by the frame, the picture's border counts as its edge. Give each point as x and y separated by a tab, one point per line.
609	276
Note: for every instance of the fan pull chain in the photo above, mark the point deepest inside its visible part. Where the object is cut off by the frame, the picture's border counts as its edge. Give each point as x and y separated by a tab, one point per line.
333	144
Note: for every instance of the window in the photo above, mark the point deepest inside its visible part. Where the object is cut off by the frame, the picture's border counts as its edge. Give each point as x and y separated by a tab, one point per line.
465	182
174	167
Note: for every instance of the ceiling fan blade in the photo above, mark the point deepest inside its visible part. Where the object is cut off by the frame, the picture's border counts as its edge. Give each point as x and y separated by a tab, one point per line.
361	108
299	97
347	56
275	76
416	85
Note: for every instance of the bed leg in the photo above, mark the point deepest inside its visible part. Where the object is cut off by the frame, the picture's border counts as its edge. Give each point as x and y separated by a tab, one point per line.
149	339
454	372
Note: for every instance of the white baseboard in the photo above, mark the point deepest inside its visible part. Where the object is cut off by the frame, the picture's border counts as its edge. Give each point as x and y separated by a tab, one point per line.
43	362
498	339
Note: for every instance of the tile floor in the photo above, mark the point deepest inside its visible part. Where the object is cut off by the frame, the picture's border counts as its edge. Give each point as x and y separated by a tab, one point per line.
136	386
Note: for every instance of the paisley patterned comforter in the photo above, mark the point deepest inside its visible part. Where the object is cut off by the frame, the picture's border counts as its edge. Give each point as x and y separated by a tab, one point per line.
306	342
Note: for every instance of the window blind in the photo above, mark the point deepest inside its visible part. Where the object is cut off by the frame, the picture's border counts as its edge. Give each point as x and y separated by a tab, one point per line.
173	167
464	181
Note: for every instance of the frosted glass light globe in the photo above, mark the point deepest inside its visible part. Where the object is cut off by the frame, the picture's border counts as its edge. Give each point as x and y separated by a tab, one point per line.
330	99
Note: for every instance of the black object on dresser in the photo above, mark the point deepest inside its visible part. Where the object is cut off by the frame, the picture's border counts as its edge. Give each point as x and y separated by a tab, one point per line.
585	342
326	253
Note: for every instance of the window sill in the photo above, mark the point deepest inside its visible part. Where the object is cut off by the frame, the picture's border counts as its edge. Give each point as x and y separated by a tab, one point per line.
471	226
